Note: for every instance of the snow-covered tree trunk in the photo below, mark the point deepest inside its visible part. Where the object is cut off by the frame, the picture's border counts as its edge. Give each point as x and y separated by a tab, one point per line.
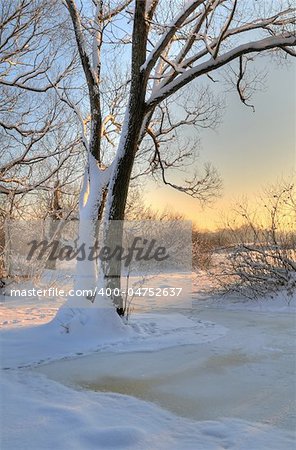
81	309
91	203
128	145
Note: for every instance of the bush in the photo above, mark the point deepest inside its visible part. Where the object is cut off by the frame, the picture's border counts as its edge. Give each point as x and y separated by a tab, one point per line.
262	259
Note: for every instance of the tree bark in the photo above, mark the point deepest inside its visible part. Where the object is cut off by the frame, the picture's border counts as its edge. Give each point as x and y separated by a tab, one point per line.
55	219
128	145
2	258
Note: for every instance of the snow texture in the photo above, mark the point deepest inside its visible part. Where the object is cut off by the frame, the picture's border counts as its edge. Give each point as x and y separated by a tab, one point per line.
40	414
101	329
219	358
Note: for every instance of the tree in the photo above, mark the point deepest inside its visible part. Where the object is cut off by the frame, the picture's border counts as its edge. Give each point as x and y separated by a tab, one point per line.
172	44
37	136
35	128
166	45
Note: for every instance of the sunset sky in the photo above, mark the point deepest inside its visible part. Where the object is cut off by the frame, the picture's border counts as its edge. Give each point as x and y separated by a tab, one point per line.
249	149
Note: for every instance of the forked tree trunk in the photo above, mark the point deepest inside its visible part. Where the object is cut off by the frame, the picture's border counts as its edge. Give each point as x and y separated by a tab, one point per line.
108	189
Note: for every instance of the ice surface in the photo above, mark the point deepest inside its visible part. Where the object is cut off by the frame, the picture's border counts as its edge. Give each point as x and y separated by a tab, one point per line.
248	373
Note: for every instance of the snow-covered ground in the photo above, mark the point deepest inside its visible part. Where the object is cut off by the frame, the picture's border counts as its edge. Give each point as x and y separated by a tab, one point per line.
40	414
217	375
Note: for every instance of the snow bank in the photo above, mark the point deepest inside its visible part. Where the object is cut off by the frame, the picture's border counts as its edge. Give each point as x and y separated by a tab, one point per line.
272	303
41	414
102	330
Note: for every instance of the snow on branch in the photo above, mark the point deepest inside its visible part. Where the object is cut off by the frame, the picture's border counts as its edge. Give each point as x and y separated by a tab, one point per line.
171	30
214	63
80	40
163	74
92	73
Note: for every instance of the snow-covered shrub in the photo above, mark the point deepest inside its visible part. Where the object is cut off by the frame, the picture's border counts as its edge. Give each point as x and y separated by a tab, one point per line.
262	258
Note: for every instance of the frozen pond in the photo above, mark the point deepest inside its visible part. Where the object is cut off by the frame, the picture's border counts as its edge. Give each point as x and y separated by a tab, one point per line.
249	373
